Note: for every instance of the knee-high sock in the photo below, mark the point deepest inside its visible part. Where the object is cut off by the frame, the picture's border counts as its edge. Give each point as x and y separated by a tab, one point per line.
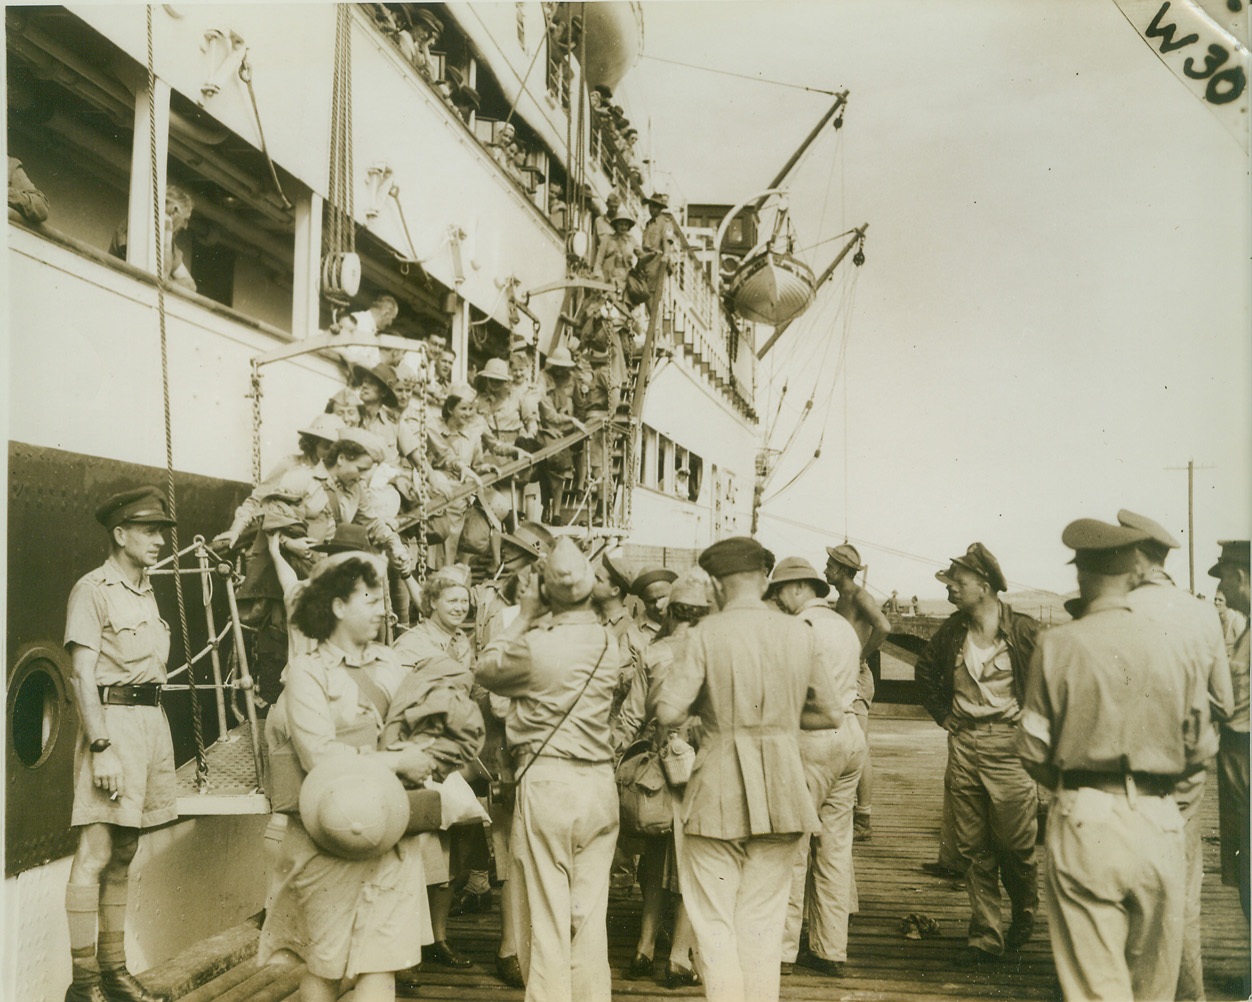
112	949
82	906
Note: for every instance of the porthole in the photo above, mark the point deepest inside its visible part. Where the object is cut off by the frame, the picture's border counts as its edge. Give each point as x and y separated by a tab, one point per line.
35	709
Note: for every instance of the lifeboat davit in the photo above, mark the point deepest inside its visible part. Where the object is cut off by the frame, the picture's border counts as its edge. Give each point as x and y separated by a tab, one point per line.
614	38
771	287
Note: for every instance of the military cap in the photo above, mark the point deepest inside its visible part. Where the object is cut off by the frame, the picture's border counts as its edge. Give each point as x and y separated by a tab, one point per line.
797	569
979	560
619	570
846	555
1157	533
458	574
406	375
531	538
383	374
347	397
142	504
651	575
1234	551
657	198
1102	548
467	97
430	21
736	555
560	358
325	426
770	560
367	440
496	368
567	576
691	589
348	538
462	391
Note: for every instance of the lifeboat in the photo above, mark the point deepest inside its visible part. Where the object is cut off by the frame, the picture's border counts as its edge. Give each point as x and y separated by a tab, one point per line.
771	285
614	38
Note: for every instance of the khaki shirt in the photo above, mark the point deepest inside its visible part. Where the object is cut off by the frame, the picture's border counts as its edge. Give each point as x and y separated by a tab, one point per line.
1191	635
1104	695
1239	680
425	640
322	708
747	672
121	623
543	672
839	647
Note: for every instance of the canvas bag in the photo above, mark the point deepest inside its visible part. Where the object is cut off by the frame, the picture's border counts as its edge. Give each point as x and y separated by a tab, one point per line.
647	807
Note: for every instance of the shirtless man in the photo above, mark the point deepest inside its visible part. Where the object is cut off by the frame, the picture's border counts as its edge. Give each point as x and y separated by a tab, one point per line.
857	606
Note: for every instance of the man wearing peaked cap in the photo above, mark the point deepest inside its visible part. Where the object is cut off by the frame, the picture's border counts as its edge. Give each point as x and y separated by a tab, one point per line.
1115	758
755	678
1191	638
558	674
833	759
1232	571
652	587
972	674
124	766
857	606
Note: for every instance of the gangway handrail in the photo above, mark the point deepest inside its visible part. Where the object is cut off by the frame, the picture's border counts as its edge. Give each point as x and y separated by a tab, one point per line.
503	473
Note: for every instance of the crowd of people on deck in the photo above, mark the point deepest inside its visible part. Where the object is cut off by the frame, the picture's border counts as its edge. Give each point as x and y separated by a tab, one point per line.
700	731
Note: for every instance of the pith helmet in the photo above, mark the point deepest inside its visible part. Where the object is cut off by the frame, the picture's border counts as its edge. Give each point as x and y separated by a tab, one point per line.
353	807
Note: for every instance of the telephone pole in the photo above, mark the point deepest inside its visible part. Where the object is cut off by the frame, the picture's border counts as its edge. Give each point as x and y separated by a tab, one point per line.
1190	468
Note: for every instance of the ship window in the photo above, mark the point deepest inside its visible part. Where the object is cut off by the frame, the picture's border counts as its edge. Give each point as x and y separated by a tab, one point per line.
35	715
664	462
71	130
696	467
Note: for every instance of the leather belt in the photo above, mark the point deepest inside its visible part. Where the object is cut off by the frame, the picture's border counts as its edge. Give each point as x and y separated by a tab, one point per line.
1150	784
131	695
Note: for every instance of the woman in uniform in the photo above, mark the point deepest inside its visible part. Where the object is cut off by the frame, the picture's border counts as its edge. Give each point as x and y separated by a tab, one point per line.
346	919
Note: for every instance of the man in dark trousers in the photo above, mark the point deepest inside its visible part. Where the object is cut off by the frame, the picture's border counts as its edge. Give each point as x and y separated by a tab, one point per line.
973	680
124	765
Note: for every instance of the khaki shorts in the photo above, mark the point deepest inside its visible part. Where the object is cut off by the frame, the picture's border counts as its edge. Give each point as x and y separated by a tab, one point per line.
141	738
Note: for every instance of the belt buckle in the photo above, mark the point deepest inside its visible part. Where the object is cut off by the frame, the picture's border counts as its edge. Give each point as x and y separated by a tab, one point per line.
106	692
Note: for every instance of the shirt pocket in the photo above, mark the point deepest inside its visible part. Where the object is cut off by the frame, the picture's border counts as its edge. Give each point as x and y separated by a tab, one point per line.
140	635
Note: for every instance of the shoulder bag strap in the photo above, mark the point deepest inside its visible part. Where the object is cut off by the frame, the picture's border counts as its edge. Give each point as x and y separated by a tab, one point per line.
569	709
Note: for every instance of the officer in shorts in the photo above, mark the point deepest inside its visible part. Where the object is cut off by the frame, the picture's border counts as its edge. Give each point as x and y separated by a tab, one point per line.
124	766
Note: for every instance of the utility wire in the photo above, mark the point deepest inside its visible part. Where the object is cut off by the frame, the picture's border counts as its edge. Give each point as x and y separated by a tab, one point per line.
743	76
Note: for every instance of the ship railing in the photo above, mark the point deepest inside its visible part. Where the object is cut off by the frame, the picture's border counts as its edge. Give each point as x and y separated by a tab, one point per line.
209	567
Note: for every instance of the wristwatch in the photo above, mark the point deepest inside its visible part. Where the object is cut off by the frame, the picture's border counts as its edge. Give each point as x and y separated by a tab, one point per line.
100	744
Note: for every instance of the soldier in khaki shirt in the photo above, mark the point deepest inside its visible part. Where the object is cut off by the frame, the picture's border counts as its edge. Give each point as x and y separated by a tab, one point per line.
560	677
1111	723
755	678
124	765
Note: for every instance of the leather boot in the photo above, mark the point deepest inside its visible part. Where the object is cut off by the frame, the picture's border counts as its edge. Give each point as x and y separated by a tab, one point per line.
121	986
85	993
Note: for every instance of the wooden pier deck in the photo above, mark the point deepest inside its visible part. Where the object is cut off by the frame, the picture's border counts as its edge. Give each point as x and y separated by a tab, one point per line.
909	755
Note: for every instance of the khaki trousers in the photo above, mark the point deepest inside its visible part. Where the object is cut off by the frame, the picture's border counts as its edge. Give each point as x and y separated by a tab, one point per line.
823	885
995	816
1188	795
736	892
1115	894
564	831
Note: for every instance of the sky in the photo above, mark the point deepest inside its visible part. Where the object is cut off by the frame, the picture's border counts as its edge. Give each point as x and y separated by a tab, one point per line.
1055	311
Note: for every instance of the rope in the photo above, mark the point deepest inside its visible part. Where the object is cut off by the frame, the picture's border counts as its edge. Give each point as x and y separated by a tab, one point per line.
743	76
245	74
158	224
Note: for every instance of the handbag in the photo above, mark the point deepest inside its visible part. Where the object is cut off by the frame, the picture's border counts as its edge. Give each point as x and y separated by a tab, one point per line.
647	806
